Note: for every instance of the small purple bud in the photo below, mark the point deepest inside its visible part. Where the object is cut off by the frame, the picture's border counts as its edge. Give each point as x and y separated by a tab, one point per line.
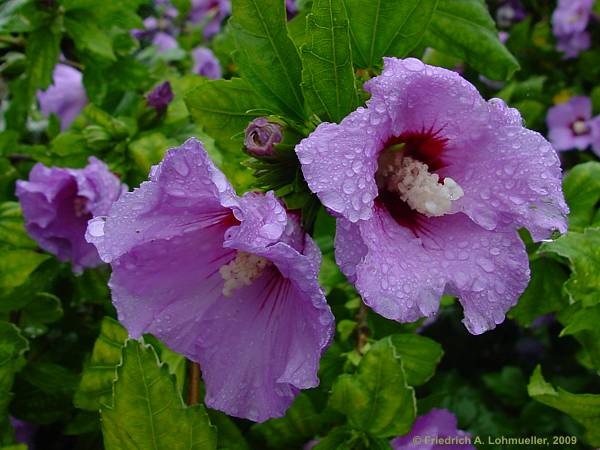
261	136
160	97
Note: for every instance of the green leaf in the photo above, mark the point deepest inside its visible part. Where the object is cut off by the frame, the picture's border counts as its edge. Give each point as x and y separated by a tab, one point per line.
174	361
43	50
584	408
420	356
148	411
229	435
17	265
522	90
595	96
38	282
12	348
223	108
44	308
336	439
327	74
583	252
464	29
14	17
149	149
509	385
8	176
377	399
581	187
43	392
381	28
301	422
297	29
95	387
82	26
12	230
582	324
266	56
543	294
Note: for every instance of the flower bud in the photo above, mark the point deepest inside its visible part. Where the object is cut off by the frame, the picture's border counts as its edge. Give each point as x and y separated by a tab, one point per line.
160	97
261	136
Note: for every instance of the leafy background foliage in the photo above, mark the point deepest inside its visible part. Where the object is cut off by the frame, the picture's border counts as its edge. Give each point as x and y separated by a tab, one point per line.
67	365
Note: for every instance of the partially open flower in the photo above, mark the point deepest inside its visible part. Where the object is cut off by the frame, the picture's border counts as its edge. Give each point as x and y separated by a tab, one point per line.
57	204
160	97
261	136
230	282
430	184
66	96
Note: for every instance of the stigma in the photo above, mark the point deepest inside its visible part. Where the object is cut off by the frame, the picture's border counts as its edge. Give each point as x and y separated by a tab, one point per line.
412	181
242	271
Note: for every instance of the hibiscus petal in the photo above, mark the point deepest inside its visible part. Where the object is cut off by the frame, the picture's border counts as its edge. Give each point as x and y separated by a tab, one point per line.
185	192
349	248
512	176
420	97
397	277
486	270
402	276
339	163
273	331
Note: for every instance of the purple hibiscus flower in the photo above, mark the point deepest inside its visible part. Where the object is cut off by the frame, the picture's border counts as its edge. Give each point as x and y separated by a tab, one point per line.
571	126
66	96
230	282
436	430
57	204
261	137
210	13
569	20
206	63
429	184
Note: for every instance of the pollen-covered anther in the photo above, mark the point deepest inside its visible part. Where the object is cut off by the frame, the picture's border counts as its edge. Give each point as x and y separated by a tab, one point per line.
418	187
242	271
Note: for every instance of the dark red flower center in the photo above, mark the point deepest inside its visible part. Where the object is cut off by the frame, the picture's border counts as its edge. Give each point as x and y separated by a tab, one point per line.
579	126
426	146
